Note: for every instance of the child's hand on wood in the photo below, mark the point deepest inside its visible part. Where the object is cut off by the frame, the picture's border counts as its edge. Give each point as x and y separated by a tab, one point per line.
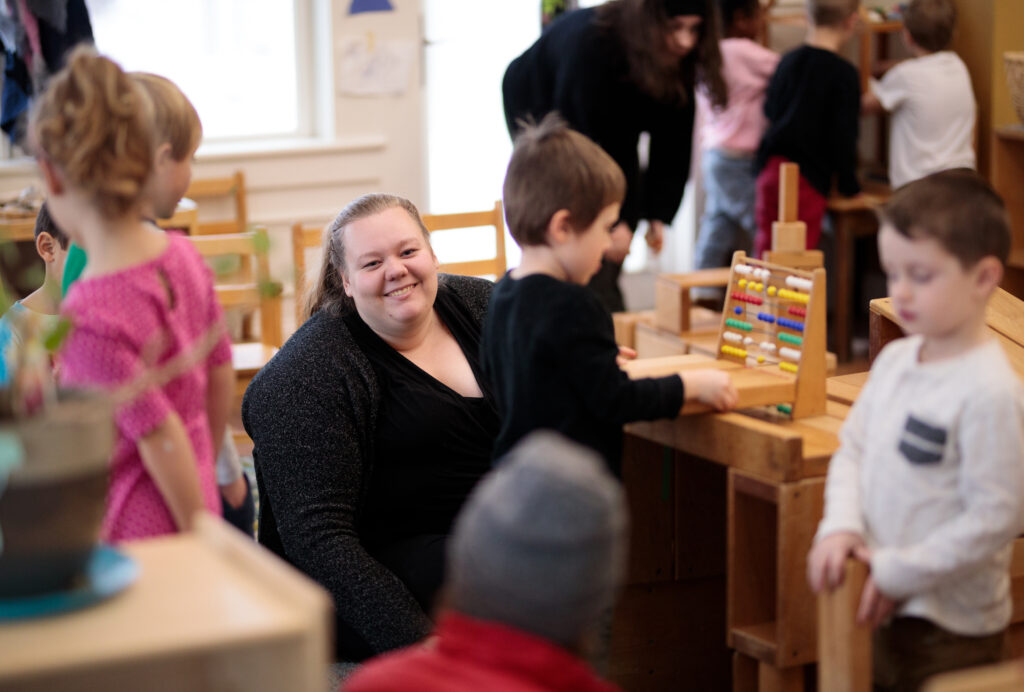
711	387
875	607
827	560
626	354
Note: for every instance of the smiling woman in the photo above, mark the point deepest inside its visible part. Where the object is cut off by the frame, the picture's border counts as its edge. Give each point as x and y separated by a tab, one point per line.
373	423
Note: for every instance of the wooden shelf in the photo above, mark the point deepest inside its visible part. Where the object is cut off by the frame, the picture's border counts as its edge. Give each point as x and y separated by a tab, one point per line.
757	641
1011	131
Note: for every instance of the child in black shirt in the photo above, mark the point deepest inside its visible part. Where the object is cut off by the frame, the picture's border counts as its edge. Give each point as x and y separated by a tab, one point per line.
813	110
548	346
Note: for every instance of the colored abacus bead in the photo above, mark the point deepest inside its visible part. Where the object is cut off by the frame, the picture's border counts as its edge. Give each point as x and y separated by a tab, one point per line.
766	317
797	310
746	298
791	324
799	282
742	283
733	351
738	310
744	269
791	338
772	290
790	353
733	337
788	367
737	324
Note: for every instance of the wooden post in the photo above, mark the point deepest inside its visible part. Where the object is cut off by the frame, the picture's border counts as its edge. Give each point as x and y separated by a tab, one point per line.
789	183
844	647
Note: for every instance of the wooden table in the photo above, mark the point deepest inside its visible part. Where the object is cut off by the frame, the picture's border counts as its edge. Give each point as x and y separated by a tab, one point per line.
854	218
210	611
771	472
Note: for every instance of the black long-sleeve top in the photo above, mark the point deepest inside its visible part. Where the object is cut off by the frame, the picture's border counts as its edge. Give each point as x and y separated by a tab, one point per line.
313	414
580	69
548	351
813	110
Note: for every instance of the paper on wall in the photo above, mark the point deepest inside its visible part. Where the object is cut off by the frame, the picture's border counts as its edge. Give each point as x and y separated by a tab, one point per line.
374	68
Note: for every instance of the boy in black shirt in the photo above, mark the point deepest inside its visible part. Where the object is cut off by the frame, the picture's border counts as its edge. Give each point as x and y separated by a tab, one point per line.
548	346
813	106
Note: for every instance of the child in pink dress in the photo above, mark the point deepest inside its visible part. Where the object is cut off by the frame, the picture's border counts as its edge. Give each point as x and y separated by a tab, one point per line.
146	322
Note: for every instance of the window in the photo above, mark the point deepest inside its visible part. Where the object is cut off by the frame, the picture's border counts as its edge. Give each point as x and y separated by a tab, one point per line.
244	64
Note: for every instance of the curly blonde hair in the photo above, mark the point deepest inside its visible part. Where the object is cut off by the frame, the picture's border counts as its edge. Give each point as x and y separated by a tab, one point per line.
94	123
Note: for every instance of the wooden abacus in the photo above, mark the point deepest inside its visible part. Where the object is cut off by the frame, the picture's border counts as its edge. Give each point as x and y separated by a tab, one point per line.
774	325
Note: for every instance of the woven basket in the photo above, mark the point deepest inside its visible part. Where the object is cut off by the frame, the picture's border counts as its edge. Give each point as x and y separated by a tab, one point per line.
1014	61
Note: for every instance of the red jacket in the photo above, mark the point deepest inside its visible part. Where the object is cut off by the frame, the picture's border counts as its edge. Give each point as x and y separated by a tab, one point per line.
473	655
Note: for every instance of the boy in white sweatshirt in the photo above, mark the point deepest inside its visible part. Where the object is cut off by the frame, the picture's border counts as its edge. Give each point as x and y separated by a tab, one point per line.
927	486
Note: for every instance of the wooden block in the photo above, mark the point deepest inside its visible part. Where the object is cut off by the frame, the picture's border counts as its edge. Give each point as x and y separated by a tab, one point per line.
789	236
789	188
652	342
810	384
844	647
805	260
646	474
671	306
625	326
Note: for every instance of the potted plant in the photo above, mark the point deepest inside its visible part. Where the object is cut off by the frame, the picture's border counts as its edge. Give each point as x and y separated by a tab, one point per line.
54	454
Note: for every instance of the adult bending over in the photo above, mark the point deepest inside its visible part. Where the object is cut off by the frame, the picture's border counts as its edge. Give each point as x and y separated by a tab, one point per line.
613	72
372	425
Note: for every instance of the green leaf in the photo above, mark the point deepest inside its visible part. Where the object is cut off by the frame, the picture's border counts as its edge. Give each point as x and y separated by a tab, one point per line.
56	338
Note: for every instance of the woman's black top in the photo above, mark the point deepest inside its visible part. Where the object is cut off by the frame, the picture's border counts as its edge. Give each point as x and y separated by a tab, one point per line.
432	443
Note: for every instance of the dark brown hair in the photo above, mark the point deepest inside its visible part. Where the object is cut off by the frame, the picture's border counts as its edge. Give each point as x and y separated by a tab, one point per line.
642	25
831	13
552	168
94	123
956	208
328	293
46	224
930	23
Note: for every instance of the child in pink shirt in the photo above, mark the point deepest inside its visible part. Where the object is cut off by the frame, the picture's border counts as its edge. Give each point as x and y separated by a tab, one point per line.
146	322
730	136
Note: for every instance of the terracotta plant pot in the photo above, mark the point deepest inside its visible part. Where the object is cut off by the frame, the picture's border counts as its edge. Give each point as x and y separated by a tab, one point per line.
51	507
1014	62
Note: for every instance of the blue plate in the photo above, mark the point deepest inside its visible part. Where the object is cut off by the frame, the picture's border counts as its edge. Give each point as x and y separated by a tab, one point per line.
108	572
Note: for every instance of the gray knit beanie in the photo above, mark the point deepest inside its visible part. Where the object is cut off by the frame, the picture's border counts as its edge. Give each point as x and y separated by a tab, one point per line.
541	542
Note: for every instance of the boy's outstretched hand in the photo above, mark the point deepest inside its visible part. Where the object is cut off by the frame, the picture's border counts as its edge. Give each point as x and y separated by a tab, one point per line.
827	560
711	387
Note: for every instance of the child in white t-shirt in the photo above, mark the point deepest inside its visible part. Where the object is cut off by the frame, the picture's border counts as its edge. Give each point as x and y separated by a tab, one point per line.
927	485
730	137
929	96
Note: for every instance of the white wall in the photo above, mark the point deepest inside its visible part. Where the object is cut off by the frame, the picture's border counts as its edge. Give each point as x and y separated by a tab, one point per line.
377	144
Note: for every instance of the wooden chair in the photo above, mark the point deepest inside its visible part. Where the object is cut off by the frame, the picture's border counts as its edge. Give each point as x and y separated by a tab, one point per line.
250	289
491	267
303	238
185	218
232	186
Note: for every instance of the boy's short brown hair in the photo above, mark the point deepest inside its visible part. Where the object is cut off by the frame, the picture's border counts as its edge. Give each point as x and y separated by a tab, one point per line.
956	208
930	23
46	224
831	13
175	120
553	168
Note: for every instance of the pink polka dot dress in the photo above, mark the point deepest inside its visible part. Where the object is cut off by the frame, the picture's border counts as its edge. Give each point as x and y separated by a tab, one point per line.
127	324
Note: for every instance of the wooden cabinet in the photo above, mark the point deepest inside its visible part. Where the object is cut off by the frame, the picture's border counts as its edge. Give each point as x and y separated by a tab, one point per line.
1008	181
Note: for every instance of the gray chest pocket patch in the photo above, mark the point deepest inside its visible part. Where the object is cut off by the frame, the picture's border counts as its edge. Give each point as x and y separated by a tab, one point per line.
921	443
